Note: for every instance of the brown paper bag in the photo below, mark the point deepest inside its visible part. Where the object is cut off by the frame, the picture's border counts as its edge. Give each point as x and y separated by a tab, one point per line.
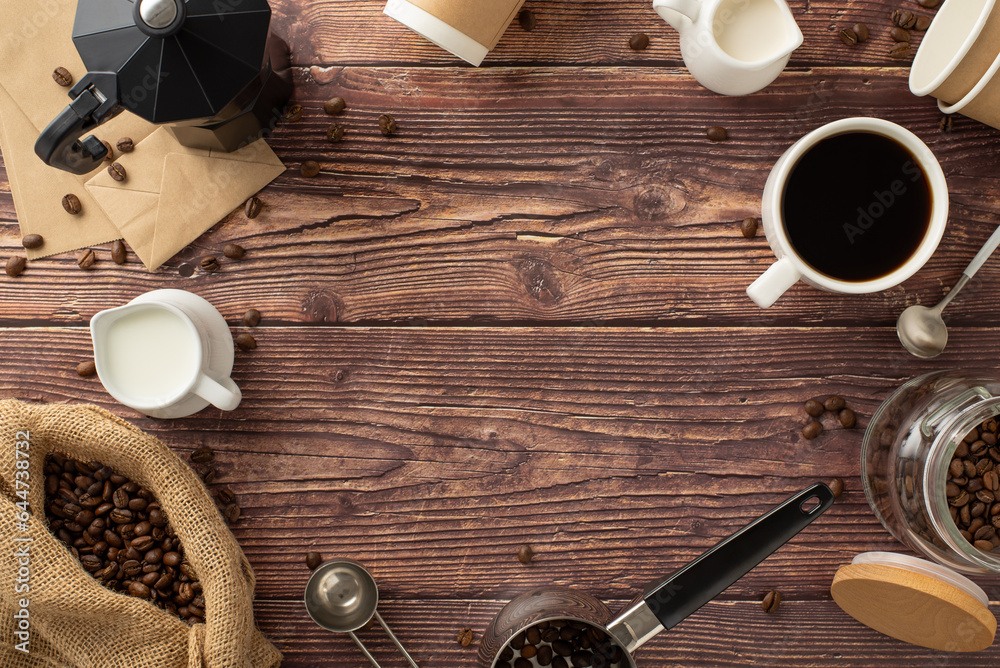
64	615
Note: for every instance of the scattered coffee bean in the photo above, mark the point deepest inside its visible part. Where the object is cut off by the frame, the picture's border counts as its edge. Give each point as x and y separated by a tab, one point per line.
117	172
814	408
465	637
639	41
246	342
812	430
209	263
928	4
32	241
226	496
900	51
848	36
902	18
334	106
232	513
847	418
861	30
899	35
62	77
834	403
334	133
110	155
118	253
208	477
251	318
837	487
947	123
294	112
527	19
253	207
15	266
185	269
923	23
313	560
716	133
125	145
86	369
86	259
309	169
202	455
525	554
771	601
386	124
748	228
71	203
234	251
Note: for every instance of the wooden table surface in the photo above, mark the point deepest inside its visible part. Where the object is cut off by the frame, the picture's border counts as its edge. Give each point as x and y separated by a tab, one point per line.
522	319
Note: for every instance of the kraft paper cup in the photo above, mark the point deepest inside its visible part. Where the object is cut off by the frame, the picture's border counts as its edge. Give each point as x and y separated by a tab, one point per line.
982	103
958	49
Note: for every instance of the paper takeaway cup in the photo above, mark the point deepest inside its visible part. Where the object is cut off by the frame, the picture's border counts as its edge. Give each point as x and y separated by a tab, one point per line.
982	103
467	28
958	49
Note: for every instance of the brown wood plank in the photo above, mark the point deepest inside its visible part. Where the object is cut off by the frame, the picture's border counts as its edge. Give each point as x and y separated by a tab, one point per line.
595	32
619	454
720	635
599	200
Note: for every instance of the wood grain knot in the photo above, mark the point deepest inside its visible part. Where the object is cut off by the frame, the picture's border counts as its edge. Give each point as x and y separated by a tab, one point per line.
657	202
541	280
321	306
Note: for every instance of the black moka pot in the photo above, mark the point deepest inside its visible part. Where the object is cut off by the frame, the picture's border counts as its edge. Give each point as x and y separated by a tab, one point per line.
211	69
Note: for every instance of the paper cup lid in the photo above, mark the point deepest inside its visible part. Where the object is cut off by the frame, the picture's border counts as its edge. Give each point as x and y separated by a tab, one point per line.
426	24
916	601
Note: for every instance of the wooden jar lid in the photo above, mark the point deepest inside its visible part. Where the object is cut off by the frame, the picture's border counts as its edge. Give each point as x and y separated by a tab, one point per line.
915	601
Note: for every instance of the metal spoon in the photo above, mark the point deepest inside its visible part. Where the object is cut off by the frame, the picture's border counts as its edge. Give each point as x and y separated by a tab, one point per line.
921	329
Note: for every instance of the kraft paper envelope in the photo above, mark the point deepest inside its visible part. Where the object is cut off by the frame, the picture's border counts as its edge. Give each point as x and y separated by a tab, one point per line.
37	38
172	194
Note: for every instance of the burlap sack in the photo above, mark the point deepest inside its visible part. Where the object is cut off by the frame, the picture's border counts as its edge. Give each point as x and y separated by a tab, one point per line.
72	619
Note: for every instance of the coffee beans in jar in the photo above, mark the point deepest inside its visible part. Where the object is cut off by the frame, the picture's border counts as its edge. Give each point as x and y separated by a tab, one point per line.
121	535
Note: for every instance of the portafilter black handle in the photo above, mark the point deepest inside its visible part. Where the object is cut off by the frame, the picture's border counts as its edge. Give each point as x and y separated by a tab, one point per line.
95	100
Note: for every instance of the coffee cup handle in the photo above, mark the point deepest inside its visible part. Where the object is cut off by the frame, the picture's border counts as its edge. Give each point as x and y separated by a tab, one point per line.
675	12
225	395
773	283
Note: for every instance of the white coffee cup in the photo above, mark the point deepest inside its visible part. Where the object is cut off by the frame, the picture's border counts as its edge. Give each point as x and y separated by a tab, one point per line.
733	47
167	354
791	268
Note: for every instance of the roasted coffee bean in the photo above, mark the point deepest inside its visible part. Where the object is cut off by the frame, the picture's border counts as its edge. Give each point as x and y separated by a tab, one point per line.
121	516
526	18
464	637
313	560
550	634
529	651
234	251
517	642
985	496
847	418
771	601
202	455
309	168
544	655
86	369
15	266
562	648
812	430
144	527
117	172
118	253
991	481
748	228
334	133
226	496
157	518
923	23
387	124
125	145
253	207
533	635
903	18
209	263
639	41
209	475
834	404
568	633
251	318
71	203
947	123
984	545
334	106
86	259
861	30
928	4
232	513
32	241
717	134
142	543
961	500
848	36
138	590
294	112
246	342
109	152
837	487
525	554
62	77
120	498
899	35
900	51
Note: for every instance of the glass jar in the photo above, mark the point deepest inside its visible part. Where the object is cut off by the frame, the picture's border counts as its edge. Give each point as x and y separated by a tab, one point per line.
905	458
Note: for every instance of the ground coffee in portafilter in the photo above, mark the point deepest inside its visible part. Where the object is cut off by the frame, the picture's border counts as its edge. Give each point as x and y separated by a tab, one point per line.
561	643
120	535
856	206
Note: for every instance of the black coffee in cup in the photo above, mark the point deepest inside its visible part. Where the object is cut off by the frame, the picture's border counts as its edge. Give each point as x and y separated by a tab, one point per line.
856	206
